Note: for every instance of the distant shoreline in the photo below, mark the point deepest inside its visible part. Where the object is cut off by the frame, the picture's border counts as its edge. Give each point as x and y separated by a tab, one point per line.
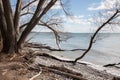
76	33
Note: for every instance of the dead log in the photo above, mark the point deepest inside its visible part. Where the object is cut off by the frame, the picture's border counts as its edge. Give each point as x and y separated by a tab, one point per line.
63	69
52	57
60	71
28	58
114	64
72	75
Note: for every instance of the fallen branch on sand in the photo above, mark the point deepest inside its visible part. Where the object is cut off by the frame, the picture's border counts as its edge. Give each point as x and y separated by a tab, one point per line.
114	64
51	64
61	71
50	56
53	57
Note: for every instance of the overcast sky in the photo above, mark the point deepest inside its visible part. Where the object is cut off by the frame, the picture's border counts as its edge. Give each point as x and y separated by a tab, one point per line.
83	12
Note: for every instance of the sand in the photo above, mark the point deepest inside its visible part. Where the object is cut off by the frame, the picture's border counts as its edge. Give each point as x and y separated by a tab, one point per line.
18	68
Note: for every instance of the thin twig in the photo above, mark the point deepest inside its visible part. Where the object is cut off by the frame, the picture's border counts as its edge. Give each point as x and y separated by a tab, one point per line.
36	75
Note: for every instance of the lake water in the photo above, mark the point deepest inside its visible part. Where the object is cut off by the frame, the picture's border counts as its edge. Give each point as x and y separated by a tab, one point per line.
105	50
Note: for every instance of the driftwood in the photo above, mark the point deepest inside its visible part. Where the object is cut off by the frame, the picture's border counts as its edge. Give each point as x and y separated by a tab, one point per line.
50	56
57	69
66	72
29	57
114	64
48	47
60	71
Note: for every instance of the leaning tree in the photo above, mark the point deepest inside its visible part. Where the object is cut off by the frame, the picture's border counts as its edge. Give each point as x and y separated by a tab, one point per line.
109	17
18	18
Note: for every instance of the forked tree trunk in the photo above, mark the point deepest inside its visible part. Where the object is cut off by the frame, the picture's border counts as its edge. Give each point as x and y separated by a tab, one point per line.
9	23
35	19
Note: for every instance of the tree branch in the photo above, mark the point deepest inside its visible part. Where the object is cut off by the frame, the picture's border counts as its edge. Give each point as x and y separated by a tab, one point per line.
29	4
54	31
17	13
35	19
3	24
94	35
22	26
64	9
27	13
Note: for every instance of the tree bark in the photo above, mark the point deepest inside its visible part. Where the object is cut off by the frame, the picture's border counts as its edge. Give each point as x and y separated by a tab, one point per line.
3	29
10	25
10	19
16	22
39	13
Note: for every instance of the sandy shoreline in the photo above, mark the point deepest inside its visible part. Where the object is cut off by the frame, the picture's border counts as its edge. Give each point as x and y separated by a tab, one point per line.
17	70
95	57
89	72
70	56
113	70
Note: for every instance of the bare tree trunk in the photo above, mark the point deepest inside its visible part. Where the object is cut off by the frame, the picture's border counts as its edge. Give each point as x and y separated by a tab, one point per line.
5	42
36	17
5	48
16	22
10	26
31	24
9	22
3	28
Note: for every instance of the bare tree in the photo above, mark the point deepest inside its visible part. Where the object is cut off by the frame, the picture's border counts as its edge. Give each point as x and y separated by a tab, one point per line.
14	30
112	18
